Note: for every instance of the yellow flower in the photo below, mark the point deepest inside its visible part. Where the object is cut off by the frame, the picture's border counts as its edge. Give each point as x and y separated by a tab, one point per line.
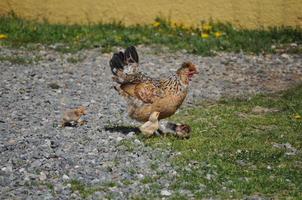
204	35
118	38
206	27
156	24
218	34
3	36
297	116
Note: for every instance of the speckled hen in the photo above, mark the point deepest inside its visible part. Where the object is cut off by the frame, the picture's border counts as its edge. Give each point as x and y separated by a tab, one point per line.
146	95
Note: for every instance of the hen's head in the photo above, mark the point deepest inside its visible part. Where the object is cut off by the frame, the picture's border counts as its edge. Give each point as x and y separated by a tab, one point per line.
187	71
154	116
81	111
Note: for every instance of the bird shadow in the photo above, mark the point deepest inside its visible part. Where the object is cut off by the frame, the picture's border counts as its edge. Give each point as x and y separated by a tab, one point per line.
122	129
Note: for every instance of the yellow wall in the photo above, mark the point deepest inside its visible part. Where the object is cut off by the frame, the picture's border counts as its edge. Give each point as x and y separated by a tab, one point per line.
242	13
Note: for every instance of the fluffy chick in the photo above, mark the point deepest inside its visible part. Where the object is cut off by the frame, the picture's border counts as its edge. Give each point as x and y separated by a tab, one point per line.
150	126
73	116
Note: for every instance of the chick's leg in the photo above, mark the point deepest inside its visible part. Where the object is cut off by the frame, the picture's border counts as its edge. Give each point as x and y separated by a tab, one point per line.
63	123
146	133
81	122
151	126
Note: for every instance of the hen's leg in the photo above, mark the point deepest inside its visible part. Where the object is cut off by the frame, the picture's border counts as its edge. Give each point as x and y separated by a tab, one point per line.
81	122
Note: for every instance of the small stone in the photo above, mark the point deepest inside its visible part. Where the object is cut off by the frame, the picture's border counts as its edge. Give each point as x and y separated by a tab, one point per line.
140	176
74	195
293	44
131	134
12	142
86	104
136	141
119	138
165	193
209	176
42	176
54	86
99	195
284	55
65	177
21	170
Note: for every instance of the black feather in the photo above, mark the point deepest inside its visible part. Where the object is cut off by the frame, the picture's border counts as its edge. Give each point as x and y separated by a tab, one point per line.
116	63
122	56
120	59
131	55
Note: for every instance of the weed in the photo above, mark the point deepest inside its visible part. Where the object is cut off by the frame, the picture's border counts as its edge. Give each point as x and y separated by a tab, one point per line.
232	152
205	39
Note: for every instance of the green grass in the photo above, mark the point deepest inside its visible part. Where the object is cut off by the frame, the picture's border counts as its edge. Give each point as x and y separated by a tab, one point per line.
72	38
231	152
19	59
87	190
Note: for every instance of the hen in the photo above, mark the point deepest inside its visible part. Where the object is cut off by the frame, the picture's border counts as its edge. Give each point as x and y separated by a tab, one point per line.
144	94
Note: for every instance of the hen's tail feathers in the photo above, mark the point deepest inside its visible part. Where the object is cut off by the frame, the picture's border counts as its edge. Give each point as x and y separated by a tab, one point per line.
131	55
120	59
116	62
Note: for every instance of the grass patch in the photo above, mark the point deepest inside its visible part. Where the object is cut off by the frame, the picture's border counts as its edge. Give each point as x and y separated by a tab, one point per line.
75	60
148	179
87	190
205	39
232	152
21	60
127	145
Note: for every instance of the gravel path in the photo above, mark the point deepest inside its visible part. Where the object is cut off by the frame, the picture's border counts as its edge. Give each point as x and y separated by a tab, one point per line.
39	160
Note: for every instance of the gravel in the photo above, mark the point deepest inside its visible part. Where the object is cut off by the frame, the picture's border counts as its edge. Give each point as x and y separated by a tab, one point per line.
40	160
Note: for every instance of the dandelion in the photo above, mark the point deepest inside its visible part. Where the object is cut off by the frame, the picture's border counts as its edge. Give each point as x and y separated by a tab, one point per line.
204	35
118	38
182	26
3	36
297	116
156	24
218	34
206	27
177	25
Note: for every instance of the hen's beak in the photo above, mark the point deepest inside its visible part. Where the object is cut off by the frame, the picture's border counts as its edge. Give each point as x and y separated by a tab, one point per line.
193	72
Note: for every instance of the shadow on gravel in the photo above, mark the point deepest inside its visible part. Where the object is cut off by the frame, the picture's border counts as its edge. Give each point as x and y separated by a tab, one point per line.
122	129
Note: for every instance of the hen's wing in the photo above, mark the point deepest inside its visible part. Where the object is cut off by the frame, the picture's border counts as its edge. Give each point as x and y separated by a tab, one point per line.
149	90
146	91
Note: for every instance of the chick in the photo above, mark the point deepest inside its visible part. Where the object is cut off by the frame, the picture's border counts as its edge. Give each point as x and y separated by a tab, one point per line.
150	126
183	131
73	116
